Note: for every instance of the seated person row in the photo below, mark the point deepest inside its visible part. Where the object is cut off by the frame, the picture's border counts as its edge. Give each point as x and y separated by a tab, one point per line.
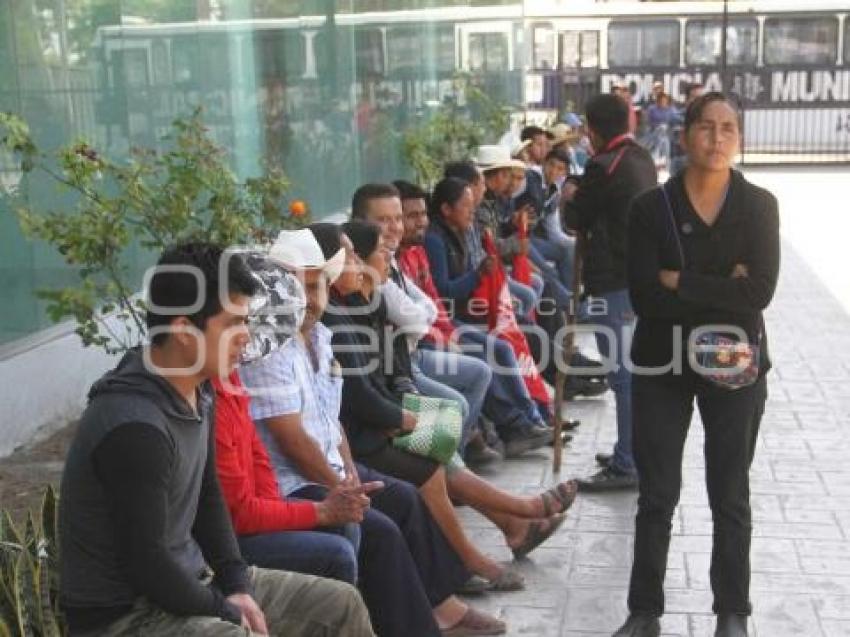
146	541
290	484
444	370
372	414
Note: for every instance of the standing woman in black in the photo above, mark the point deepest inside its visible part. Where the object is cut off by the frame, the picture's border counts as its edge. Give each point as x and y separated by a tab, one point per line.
703	251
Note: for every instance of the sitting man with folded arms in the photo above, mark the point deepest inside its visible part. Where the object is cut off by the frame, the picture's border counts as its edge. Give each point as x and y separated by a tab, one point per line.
408	571
147	545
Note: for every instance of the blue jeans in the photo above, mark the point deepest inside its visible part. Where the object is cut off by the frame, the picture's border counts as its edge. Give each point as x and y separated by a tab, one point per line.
617	314
559	278
464	376
525	296
310	552
508	403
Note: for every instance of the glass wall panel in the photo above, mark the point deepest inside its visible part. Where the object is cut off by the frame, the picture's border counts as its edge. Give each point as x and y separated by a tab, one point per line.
323	88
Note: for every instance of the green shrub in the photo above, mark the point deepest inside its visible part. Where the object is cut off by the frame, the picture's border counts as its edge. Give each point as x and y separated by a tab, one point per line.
29	574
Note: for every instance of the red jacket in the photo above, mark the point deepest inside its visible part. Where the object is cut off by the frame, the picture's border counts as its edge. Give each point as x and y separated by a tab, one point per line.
413	261
245	472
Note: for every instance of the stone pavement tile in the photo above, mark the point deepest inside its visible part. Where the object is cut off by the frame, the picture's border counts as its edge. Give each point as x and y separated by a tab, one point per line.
604	550
825	565
816	548
784	616
833	607
836	628
837	482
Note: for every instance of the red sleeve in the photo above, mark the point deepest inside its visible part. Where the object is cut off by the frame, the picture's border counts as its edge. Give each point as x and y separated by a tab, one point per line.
252	511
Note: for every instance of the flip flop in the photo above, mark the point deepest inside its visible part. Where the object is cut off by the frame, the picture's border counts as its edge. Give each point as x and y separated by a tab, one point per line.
537	534
563	493
507	581
475	623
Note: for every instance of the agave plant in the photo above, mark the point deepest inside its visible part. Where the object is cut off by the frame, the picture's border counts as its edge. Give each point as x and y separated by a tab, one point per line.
29	576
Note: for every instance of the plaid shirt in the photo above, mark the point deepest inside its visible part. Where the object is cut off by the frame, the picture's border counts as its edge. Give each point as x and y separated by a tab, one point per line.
285	383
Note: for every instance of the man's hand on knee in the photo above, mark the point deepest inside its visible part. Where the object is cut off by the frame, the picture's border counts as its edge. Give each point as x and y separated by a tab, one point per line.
252	616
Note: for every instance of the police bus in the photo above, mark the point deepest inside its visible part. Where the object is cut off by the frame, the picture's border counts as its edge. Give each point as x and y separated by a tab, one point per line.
789	67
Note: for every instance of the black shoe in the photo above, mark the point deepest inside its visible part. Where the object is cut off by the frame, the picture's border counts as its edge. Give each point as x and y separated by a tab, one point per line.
604	459
580	386
526	439
582	362
731	625
640	626
608	479
479	453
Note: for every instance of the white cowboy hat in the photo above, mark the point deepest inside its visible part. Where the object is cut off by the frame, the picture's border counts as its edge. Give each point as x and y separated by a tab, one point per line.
299	250
494	157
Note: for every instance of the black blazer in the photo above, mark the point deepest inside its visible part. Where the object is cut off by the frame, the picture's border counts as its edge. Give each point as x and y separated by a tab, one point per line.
600	208
745	232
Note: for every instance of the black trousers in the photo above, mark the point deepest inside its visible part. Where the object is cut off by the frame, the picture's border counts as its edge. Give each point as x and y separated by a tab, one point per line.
406	564
662	407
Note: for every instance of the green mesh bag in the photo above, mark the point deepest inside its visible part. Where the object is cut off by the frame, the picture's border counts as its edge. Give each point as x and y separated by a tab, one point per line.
438	430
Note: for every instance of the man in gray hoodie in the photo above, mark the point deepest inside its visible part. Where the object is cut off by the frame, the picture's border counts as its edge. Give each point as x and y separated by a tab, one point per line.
146	540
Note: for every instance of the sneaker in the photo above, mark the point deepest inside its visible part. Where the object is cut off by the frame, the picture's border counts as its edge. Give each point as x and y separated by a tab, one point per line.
640	626
520	441
608	479
604	459
580	361
481	454
565	437
581	386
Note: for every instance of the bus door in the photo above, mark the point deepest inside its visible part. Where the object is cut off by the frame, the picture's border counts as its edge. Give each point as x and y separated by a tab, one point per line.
579	64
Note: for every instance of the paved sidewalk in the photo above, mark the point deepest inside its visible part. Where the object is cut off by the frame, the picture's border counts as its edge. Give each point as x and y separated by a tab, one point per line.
801	501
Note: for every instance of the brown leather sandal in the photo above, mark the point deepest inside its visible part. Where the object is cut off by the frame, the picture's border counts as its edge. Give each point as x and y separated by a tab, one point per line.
537	534
564	494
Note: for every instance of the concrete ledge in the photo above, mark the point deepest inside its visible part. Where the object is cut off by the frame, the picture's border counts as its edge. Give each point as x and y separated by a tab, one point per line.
43	385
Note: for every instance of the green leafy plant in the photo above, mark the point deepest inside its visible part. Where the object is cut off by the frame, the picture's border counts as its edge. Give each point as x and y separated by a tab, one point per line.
452	131
29	574
151	199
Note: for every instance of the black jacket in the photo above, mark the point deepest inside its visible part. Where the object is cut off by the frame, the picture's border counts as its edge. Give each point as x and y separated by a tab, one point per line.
141	510
599	211
746	232
371	390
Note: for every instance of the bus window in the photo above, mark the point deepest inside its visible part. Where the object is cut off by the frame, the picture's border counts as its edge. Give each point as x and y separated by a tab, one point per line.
488	52
632	44
184	59
579	49
279	54
846	41
369	51
703	41
408	50
801	40
544	47
133	67
159	62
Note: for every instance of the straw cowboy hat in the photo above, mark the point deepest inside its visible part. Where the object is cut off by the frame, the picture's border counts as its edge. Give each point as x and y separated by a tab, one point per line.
562	134
299	250
495	157
517	148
